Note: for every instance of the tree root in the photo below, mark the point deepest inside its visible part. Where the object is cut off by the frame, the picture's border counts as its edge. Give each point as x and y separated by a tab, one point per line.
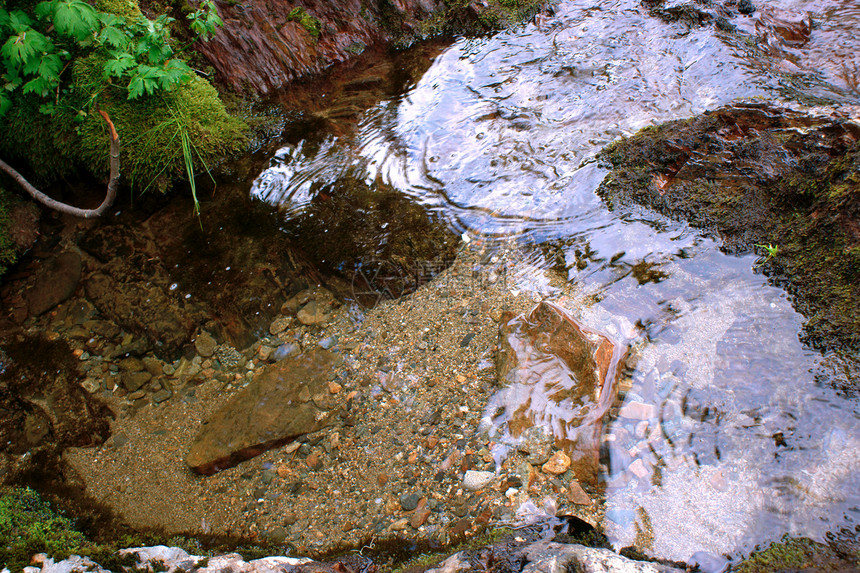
113	182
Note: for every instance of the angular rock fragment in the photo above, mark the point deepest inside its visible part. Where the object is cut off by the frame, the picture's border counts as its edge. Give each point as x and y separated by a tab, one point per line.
57	280
272	410
558	375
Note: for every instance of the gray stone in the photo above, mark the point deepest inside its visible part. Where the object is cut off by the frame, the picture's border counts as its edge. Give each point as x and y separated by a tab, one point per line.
267	413
285	351
409	501
475	480
279	325
205	344
162	395
131	364
328	342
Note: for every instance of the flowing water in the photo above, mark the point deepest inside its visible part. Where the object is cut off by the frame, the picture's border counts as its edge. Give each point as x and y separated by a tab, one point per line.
748	437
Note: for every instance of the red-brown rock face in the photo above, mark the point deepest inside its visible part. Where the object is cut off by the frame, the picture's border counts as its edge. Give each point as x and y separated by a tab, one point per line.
263	44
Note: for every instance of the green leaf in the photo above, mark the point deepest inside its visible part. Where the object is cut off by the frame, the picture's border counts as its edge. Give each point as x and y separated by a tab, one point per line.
39	86
5	104
76	18
45	10
50	66
121	63
174	72
19	21
113	37
47	108
144	80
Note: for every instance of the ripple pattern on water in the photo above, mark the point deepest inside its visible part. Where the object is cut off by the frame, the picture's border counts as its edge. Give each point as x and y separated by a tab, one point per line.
499	137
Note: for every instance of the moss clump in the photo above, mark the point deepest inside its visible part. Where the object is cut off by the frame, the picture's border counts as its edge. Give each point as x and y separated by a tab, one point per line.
28	526
797	555
152	128
308	22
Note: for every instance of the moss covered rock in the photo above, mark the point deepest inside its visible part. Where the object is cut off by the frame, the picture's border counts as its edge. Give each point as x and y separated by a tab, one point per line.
779	183
161	134
799	554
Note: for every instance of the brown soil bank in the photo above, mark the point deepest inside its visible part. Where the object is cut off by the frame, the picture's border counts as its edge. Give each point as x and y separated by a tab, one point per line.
780	183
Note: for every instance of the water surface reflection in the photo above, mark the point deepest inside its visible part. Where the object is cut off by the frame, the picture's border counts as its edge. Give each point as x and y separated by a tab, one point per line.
727	437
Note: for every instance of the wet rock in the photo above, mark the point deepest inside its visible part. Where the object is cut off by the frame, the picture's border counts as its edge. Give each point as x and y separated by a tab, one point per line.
143	309
577	495
746	7
474	480
547	358
267	413
56	280
312	313
205	344
131	287
162	395
279	325
42	398
153	365
228	356
264	45
131	364
409	501
549	557
557	464
285	351
133	381
783	182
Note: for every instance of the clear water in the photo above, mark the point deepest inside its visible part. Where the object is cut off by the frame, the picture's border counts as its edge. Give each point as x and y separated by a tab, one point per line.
498	138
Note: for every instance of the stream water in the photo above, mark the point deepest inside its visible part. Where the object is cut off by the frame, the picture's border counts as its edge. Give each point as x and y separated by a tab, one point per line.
752	439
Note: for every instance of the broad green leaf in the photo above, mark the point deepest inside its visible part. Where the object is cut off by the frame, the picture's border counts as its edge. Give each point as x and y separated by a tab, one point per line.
174	73
46	10
18	49
47	108
119	64
113	37
50	66
111	19
19	21
39	86
76	18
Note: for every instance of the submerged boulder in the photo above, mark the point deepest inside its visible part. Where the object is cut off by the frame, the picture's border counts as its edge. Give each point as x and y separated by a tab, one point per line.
286	400
561	376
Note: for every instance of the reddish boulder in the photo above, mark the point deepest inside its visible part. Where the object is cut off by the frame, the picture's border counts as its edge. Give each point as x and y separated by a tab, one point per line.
559	375
286	400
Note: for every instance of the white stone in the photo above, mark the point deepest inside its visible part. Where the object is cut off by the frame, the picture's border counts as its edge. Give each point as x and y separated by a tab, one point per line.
475	480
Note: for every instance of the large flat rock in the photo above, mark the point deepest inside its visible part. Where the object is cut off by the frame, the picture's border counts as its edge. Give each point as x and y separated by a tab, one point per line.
561	376
286	400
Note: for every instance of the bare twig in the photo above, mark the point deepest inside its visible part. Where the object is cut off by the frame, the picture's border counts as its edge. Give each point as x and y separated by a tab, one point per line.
113	182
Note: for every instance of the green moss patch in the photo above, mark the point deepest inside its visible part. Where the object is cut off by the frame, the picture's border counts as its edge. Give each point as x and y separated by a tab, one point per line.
161	134
797	555
28	526
774	182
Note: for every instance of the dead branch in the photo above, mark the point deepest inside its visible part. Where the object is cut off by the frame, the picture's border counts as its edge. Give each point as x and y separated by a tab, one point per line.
113	182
